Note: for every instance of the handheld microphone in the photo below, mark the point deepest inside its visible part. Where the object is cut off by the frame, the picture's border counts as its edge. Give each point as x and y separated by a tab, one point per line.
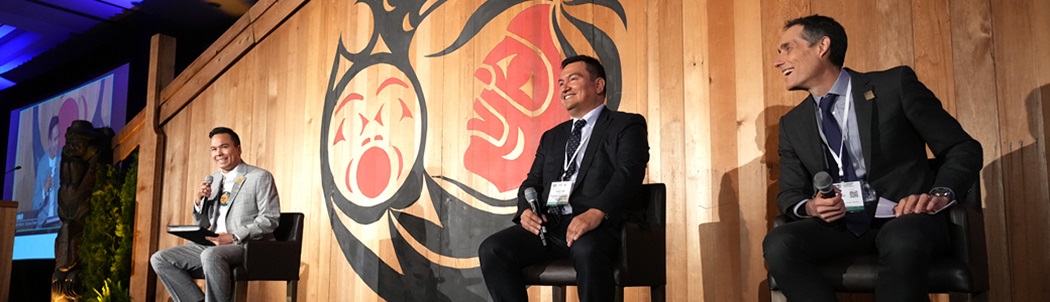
207	179
530	196
822	182
13	169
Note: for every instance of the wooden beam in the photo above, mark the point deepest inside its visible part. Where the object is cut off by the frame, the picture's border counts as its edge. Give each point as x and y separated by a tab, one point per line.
151	166
207	56
251	28
176	98
128	138
8	213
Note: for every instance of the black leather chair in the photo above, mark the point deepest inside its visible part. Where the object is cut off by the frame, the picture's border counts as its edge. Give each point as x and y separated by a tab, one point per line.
643	257
963	273
276	260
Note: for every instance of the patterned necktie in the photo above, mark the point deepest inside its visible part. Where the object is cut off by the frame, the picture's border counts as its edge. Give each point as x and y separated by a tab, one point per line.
859	221
571	146
214	211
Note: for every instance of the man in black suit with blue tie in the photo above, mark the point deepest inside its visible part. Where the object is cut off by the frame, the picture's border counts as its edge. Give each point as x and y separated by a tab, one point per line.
876	126
584	172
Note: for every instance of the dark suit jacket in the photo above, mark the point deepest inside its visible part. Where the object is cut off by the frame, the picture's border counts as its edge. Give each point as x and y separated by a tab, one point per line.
895	126
612	169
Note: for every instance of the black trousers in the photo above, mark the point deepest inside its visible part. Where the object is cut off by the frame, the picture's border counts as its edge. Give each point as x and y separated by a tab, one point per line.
905	246
504	254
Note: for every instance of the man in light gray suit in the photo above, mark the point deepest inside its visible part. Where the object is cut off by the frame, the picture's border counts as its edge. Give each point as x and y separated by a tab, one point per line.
245	207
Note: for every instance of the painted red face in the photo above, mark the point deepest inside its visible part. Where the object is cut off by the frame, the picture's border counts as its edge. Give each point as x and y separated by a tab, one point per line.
517	102
376	134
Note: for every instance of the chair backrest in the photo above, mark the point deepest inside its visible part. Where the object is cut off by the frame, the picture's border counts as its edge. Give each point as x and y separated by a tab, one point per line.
290	228
968	237
643	260
275	260
649	205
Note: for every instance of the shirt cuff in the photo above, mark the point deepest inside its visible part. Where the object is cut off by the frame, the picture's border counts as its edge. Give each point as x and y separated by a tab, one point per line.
798	206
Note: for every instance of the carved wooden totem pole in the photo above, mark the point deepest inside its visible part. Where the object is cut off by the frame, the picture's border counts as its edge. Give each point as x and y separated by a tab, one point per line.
86	148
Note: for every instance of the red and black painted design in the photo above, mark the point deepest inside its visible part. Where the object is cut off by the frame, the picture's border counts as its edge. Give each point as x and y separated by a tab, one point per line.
374	138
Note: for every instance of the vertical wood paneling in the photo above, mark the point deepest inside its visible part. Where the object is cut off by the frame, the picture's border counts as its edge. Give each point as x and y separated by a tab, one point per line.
150	176
931	30
669	27
8	215
1023	162
972	48
751	137
719	218
700	71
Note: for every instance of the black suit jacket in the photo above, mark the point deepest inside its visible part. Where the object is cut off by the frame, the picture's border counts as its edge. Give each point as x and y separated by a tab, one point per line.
898	117
612	169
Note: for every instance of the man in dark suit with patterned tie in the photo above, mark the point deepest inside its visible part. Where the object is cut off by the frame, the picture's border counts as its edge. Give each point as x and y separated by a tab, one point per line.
876	126
584	172
241	204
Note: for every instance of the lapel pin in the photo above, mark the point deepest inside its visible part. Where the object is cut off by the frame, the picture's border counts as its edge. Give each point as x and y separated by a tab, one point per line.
868	95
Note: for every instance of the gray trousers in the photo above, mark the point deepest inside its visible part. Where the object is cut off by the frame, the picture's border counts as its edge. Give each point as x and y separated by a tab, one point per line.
174	265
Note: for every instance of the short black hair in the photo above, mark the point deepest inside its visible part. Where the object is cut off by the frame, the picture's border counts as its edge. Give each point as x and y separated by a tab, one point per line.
594	67
52	126
220	130
816	26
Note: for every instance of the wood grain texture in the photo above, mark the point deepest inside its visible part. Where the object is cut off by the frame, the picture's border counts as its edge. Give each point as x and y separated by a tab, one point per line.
128	138
1025	201
8	215
700	71
973	56
151	142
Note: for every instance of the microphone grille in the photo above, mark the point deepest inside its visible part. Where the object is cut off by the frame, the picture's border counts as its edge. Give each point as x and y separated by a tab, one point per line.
530	193
209	178
822	181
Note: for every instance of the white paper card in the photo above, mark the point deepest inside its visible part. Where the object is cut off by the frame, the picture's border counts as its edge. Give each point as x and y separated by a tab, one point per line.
559	195
852	195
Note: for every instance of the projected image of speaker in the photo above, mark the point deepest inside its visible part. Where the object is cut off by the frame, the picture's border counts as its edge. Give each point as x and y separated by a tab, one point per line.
35	141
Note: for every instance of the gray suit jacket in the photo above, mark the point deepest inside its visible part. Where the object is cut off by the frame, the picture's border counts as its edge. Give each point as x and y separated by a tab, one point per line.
255	207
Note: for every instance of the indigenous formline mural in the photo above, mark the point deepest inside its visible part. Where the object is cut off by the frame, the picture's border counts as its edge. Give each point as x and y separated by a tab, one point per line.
412	234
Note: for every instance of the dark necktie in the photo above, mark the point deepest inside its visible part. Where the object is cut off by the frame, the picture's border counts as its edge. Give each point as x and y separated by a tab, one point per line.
859	221
571	146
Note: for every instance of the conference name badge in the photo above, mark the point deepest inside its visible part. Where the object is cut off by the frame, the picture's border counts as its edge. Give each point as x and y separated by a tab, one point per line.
852	195
559	193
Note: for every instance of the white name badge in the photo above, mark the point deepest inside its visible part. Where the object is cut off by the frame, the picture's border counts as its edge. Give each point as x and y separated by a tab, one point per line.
852	195
559	195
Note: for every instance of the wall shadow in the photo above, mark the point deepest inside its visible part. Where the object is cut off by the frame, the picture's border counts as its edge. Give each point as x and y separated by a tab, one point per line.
1024	205
743	223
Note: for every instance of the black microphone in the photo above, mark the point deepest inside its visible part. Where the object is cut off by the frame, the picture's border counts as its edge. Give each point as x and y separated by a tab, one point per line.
530	196
822	182
13	169
207	179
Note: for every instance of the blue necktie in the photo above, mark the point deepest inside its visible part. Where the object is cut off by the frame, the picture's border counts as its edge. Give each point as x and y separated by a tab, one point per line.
571	146
859	221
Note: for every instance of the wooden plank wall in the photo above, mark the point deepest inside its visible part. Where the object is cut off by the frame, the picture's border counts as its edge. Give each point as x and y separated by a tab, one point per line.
700	71
8	213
